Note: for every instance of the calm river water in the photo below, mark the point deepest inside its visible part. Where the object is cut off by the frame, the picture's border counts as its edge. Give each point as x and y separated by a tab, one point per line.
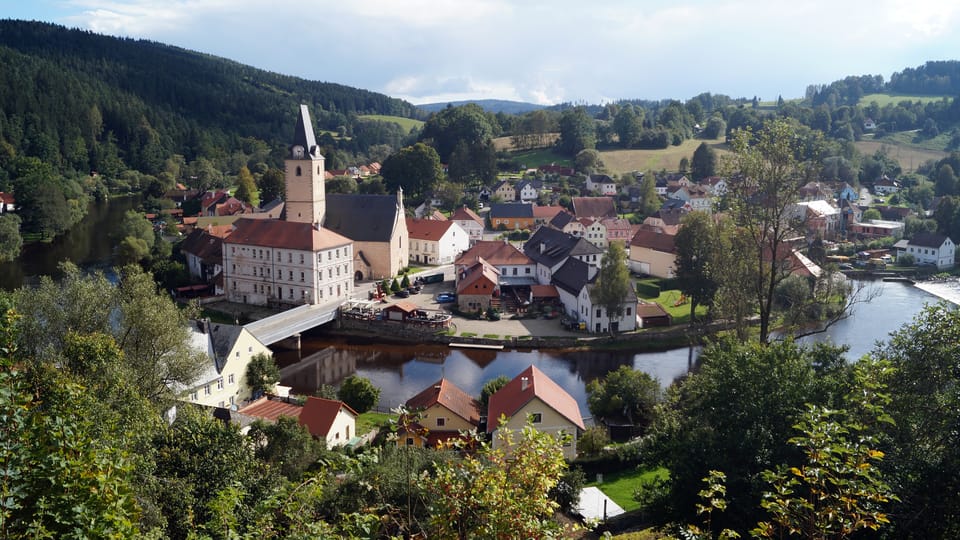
401	371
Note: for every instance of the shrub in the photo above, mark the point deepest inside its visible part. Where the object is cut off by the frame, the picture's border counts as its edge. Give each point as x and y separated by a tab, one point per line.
648	290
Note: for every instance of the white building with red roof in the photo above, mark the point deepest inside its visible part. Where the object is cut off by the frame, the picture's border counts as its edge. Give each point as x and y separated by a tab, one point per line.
435	242
328	419
293	260
469	221
534	396
439	413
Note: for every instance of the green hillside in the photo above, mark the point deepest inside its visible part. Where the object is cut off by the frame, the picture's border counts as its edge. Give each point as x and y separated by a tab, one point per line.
406	123
892	99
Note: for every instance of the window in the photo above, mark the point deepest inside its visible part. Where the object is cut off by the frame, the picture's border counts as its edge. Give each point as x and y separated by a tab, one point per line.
230	379
299	172
628	312
206	390
193	396
441	422
301	258
598	312
536	418
301	277
409	441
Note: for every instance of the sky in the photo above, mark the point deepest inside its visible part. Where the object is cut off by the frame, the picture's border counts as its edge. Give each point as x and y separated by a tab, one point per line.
539	51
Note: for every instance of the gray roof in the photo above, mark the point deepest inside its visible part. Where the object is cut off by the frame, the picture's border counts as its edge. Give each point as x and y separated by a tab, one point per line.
363	218
561	220
303	133
551	247
573	276
929	240
511	210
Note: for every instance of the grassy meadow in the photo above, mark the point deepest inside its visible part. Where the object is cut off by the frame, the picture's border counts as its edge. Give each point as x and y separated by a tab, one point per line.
406	123
621	161
901	147
892	99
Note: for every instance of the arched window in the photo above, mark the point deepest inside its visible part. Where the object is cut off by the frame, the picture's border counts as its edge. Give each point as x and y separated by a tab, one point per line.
299	172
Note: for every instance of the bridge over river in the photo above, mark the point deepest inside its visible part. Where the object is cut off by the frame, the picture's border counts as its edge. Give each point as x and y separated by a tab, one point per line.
292	322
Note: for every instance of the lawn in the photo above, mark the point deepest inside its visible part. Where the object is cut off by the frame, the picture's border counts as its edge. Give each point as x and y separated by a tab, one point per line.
541	156
620	486
621	161
372	420
669	300
892	99
406	123
909	155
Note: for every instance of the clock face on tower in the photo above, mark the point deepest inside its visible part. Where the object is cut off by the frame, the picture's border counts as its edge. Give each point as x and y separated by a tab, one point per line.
298	152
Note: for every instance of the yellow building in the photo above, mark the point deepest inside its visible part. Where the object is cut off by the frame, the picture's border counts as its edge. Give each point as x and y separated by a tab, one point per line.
229	349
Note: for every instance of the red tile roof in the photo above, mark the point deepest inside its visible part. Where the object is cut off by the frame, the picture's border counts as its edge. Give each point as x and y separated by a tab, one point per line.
284	234
427	229
465	214
270	409
451	397
654	238
524	387
546	212
544	291
319	414
495	252
472	277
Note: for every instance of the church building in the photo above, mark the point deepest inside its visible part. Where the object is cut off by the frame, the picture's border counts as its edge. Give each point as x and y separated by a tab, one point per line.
293	260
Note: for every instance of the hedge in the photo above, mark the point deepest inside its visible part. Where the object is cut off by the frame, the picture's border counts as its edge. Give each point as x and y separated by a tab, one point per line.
648	290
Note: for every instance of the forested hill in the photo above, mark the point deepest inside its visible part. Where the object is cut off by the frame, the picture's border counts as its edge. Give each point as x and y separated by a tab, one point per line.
51	78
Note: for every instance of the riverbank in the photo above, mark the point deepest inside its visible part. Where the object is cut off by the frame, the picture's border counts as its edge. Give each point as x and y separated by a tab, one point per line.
946	289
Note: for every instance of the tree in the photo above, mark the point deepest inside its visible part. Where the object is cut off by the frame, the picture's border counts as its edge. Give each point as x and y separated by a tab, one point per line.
246	187
946	181
627	124
10	240
704	163
490	388
762	197
262	374
416	169
577	131
624	394
588	161
612	288
650	201
696	261
342	184
359	393
870	214
272	185
715	128
498	491
452	126
286	445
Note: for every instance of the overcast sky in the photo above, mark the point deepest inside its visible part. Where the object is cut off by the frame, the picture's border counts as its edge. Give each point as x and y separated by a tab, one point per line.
537	50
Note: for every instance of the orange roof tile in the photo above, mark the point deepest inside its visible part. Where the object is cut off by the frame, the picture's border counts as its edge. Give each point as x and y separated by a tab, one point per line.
495	252
284	234
319	414
465	214
427	229
270	409
450	396
512	397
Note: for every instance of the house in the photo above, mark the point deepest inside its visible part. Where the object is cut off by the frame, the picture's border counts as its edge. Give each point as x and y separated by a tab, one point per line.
661	186
470	222
203	252
439	413
869	124
602	184
7	202
511	216
550	248
894	213
545	214
618	230
877	228
380	239
515	267
478	287
295	259
400	311
557	169
595	232
505	191
574	281
820	218
526	191
885	186
229	349
329	419
568	223
931	249
814	191
846	192
436	242
653	251
651	314
594	207
700	198
270	410
534	397
716	185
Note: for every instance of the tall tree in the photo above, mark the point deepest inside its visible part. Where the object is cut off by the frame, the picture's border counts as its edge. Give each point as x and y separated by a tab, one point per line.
704	162
359	393
696	261
466	124
577	131
625	394
246	187
649	199
415	169
10	239
764	187
628	125
272	185
612	287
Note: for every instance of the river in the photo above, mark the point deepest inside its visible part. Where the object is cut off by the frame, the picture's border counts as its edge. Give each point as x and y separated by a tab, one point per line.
88	244
401	371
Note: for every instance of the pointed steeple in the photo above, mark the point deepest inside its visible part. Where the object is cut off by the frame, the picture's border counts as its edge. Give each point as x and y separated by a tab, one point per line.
303	136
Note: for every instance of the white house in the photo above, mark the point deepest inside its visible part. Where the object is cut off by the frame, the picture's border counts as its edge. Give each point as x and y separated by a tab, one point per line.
229	348
328	419
574	281
602	184
595	231
470	222
526	192
929	248
436	242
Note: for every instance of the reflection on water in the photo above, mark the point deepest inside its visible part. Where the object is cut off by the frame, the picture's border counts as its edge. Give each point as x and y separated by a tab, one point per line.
401	371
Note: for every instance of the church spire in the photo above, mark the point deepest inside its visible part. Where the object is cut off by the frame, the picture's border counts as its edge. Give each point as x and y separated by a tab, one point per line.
304	142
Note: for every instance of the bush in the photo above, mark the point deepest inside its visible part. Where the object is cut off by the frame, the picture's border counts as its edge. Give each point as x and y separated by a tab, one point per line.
359	393
648	290
593	440
906	260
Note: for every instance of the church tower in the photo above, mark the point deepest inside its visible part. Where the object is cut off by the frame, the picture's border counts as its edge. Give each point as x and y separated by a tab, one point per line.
306	192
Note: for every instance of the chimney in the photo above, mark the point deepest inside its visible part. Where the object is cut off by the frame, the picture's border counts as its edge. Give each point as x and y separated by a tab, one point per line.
524	383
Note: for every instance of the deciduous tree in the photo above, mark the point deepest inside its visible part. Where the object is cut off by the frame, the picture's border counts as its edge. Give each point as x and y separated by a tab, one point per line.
359	393
696	262
612	288
624	395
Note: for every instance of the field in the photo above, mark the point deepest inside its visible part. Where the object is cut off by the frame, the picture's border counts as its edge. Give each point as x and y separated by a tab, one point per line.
531	159
621	161
620	486
406	123
900	147
506	143
887	99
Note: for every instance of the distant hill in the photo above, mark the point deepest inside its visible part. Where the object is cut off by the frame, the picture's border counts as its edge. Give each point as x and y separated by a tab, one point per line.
81	100
491	105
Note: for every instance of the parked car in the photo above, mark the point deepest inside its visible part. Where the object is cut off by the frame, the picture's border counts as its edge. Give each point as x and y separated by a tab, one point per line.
403	293
446	298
